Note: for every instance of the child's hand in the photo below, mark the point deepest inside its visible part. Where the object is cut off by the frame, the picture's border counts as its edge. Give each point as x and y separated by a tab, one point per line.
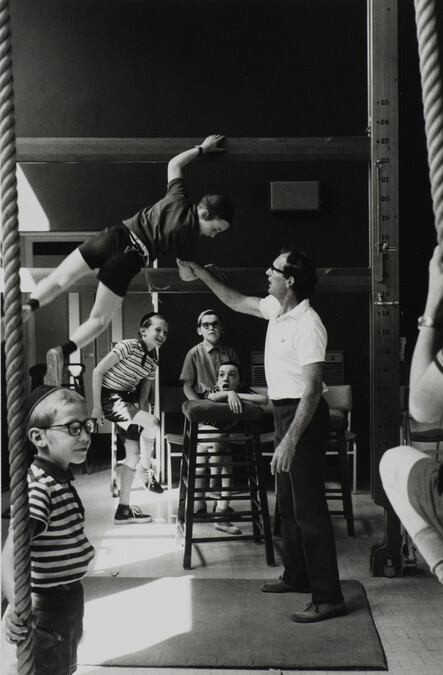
98	414
15	628
210	144
234	402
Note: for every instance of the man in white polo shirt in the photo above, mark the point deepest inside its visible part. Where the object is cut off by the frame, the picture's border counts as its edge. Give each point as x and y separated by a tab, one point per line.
294	355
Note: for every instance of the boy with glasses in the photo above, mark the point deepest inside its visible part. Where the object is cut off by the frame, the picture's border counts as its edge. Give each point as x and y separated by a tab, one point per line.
200	373
58	427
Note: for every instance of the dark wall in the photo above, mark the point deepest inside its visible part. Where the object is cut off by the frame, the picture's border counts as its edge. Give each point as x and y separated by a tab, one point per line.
185	68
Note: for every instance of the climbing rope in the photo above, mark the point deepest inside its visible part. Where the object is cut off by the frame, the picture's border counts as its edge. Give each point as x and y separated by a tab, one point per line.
430	73
14	346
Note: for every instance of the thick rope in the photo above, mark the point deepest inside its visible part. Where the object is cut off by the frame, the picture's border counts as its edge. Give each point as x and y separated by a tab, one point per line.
430	73
14	346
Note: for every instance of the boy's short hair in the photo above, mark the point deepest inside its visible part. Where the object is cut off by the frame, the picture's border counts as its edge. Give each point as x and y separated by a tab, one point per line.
206	312
232	363
146	320
40	411
219	206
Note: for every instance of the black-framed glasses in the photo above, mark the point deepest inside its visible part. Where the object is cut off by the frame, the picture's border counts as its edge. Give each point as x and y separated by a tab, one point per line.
207	324
75	427
275	269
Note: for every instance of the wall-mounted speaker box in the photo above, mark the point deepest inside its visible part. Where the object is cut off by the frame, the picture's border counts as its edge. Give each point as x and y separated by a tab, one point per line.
295	195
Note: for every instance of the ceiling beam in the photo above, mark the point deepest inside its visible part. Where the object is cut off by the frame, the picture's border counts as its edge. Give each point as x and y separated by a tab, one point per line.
250	281
63	150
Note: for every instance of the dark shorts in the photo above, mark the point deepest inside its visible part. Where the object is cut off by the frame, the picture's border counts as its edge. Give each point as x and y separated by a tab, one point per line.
119	406
58	628
114	254
425	492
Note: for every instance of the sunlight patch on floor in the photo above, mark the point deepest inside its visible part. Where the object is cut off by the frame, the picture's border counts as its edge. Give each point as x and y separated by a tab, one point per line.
160	594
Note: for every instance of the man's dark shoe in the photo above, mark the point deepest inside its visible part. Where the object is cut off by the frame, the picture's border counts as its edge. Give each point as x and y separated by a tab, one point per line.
281	586
313	613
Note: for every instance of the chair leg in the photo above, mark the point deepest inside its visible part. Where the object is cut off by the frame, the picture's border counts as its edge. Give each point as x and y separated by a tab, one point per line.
189	508
345	484
270	559
169	465
183	478
114	487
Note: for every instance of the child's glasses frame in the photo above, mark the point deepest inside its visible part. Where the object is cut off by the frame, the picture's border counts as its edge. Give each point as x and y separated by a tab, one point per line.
207	324
75	427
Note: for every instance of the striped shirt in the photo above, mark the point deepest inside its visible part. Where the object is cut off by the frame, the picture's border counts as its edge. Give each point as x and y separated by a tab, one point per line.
135	365
60	550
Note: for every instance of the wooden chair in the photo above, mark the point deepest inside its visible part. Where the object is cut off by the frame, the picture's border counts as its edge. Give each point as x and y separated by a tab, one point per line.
171	401
254	492
342	443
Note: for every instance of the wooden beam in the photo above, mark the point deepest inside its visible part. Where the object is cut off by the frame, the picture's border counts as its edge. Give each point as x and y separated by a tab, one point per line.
251	281
38	150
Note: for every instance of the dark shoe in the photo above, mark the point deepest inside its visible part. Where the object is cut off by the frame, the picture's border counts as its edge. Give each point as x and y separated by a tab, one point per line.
320	612
54	367
130	514
201	514
155	485
281	586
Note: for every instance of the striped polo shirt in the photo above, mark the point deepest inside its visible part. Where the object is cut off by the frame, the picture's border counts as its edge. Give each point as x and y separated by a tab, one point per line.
60	550
135	365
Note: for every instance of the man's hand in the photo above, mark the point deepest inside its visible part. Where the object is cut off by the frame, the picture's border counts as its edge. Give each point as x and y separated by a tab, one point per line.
283	456
189	265
234	402
15	628
210	144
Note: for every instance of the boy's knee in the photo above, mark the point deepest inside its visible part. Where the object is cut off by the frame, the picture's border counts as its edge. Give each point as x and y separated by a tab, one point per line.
150	423
389	463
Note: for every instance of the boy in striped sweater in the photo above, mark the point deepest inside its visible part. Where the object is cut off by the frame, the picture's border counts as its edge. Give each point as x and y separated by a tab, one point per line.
121	385
60	431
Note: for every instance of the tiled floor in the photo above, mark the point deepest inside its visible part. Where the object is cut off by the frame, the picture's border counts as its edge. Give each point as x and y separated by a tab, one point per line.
408	611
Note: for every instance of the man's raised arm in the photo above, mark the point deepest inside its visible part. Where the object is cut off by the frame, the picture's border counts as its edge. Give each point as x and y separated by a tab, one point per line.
246	304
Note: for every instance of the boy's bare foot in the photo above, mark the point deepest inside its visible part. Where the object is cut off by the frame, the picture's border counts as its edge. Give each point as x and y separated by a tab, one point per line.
54	367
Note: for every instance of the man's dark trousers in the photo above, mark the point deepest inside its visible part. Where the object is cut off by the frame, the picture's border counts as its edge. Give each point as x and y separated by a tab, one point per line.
309	554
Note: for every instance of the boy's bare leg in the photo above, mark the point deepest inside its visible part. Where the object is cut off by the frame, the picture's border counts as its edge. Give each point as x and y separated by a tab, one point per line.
68	272
105	305
199	497
222	504
128	470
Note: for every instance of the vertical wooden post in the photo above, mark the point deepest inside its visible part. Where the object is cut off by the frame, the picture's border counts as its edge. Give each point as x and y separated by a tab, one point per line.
384	261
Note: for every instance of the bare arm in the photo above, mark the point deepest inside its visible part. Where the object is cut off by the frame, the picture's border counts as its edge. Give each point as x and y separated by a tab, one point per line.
175	166
246	304
222	397
190	392
97	378
15	627
285	452
426	382
143	399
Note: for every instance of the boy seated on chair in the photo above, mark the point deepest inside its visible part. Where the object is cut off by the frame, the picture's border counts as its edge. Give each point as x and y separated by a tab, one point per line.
58	427
227	390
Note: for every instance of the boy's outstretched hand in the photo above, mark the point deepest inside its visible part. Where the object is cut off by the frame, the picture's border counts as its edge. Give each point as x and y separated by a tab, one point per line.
211	143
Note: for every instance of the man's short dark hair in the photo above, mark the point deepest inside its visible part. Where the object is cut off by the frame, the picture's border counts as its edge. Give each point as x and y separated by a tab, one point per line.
299	266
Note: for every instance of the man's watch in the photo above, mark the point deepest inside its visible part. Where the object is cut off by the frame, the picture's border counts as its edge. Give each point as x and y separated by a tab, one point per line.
427	322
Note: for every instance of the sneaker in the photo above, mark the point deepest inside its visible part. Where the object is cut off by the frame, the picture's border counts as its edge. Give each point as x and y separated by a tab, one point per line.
147	479
130	514
54	367
226	526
